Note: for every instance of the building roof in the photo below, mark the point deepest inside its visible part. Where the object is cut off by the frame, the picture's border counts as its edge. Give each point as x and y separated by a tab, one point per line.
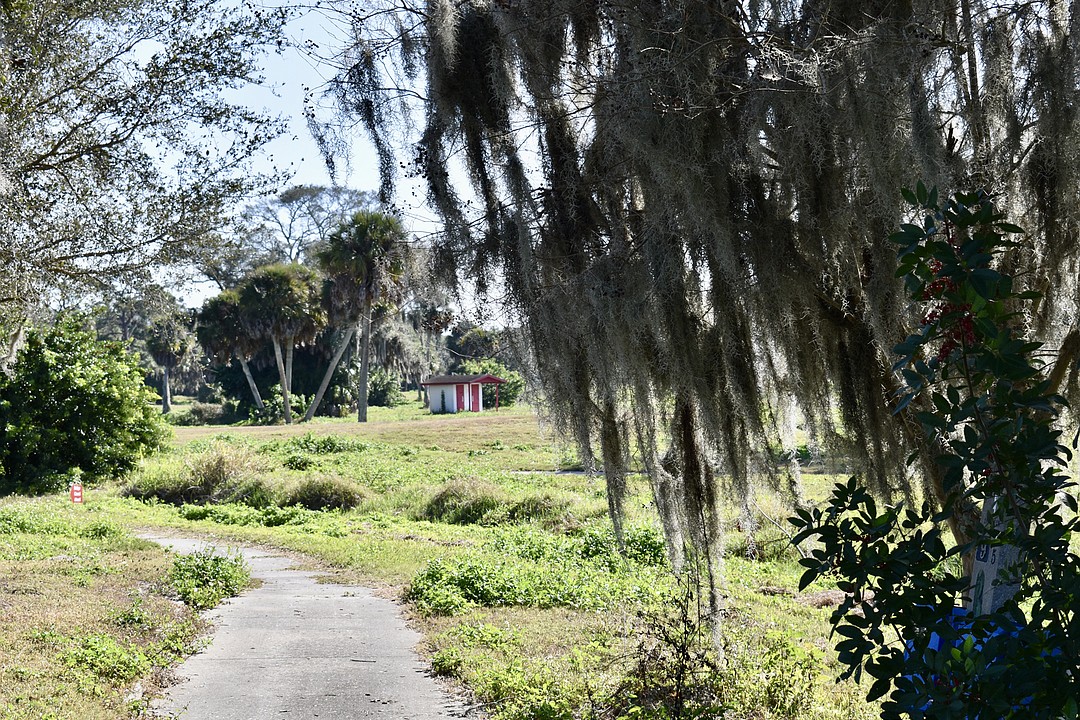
483	378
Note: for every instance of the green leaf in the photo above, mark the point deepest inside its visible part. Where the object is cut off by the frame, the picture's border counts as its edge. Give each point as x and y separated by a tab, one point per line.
921	194
878	689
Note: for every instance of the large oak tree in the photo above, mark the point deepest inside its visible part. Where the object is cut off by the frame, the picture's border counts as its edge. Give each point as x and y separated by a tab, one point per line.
688	203
121	150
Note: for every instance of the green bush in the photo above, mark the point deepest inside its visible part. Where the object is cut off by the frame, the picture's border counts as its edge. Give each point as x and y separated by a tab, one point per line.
273	411
223	472
509	392
204	578
325	444
73	405
106	658
384	389
532	508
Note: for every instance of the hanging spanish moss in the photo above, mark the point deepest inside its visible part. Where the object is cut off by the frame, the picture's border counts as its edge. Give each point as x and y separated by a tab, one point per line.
688	202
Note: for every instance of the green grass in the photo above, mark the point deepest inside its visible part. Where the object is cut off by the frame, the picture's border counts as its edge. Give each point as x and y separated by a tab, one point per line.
86	614
510	570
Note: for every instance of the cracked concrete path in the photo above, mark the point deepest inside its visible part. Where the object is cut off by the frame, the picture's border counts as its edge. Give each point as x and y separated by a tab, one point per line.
297	649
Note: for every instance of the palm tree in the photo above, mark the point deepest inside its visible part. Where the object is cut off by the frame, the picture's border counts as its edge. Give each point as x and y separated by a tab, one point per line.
281	302
224	337
168	341
364	261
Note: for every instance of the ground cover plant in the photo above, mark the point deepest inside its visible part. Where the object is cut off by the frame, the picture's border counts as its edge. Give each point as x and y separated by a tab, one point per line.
93	618
510	565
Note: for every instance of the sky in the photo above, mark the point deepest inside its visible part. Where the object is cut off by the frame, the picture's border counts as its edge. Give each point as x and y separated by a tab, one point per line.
290	76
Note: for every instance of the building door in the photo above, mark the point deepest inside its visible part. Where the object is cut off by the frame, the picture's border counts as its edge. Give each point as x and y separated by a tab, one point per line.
476	398
460	398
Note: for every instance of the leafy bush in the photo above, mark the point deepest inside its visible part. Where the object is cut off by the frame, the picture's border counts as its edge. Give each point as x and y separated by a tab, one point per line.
680	673
33	521
325	493
987	405
494	579
236	514
538	507
464	502
324	444
300	462
384	389
73	404
273	411
509	392
203	579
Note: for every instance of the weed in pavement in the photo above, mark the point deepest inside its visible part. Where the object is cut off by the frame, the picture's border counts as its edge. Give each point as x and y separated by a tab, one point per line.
204	578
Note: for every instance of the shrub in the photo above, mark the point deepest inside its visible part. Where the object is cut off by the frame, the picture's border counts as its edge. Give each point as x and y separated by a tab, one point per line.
273	411
73	404
325	493
208	413
384	389
204	578
538	507
464	502
324	444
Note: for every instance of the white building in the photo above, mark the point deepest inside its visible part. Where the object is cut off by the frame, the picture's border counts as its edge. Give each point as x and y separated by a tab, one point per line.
459	393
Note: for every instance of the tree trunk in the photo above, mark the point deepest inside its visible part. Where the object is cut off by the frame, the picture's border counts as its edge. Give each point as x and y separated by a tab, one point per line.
251	383
329	373
166	394
365	365
290	343
284	383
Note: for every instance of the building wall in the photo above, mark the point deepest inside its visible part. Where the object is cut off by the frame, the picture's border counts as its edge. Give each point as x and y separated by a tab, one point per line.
435	394
435	398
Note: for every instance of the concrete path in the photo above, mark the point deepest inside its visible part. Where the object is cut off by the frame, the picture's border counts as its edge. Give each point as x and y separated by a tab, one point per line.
296	649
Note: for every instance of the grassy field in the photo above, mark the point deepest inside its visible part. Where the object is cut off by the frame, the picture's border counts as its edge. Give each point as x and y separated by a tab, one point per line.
506	562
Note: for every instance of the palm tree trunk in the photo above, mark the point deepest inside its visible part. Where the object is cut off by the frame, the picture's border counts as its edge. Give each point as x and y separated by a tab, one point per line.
290	344
329	373
365	366
251	383
166	394
281	376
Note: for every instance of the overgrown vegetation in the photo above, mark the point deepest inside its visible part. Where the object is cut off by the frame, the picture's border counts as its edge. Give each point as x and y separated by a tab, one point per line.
73	407
204	578
517	578
90	627
992	637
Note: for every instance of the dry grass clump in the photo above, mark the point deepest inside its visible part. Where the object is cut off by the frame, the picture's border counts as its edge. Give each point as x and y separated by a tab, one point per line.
223	472
324	492
465	502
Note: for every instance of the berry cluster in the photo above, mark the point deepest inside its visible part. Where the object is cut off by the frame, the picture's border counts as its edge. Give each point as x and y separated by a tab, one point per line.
962	329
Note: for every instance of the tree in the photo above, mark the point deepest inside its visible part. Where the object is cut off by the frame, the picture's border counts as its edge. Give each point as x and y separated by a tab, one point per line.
288	227
121	150
704	225
168	340
221	332
282	304
503	395
364	260
73	403
1011	649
